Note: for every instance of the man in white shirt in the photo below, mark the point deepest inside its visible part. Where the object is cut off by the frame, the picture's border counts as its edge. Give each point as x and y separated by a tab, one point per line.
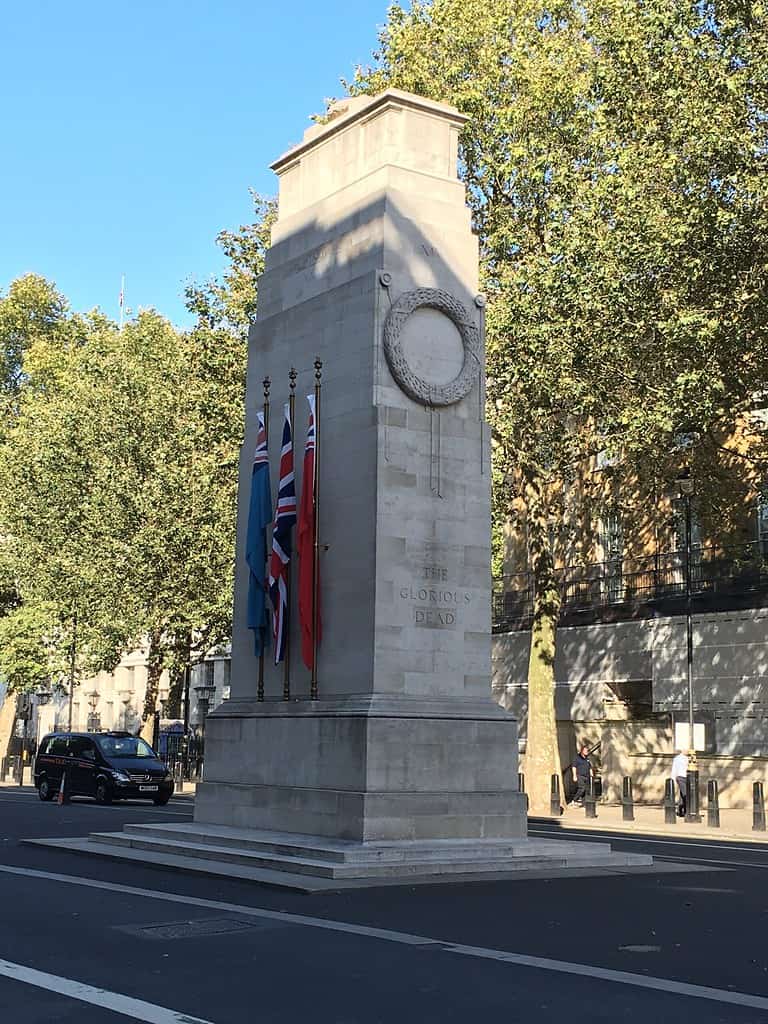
680	775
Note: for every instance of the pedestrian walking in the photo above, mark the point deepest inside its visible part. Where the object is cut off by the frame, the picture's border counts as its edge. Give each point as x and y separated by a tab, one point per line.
582	771
680	775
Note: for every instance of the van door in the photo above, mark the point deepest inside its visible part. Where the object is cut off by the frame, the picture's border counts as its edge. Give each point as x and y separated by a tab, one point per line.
82	751
52	759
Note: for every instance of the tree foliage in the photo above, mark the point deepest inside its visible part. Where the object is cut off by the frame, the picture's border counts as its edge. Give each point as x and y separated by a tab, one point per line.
118	473
615	162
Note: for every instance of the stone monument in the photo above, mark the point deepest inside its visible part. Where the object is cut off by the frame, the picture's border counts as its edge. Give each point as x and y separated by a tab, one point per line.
404	765
373	269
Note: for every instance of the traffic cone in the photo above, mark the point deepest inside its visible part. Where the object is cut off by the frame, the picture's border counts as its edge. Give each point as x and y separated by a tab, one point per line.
61	798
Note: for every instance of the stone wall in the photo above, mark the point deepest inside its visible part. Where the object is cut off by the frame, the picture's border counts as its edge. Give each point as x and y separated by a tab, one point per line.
593	662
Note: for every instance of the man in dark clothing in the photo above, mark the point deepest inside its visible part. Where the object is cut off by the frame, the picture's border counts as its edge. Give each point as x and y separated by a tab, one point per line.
582	770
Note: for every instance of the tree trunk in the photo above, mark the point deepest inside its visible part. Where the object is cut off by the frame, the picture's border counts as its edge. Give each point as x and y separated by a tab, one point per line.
154	671
542	756
7	720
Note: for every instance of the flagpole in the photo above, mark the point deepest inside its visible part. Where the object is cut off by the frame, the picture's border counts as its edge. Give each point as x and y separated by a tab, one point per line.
267	384
287	661
313	692
122	299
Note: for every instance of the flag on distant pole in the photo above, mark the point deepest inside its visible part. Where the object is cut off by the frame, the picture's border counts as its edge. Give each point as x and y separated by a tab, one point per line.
280	562
309	585
122	299
259	518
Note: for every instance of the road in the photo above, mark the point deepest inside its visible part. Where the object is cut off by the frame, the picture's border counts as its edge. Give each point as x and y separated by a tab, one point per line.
89	941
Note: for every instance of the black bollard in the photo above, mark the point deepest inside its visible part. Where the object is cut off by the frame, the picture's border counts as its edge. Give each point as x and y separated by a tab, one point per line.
627	803
554	797
713	804
692	814
521	787
670	803
590	803
758	808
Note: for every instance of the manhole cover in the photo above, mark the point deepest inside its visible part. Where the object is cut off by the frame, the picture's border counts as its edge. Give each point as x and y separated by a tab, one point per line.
196	929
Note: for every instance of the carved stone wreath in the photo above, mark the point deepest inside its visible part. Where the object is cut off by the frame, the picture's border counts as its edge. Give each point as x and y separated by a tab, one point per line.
414	386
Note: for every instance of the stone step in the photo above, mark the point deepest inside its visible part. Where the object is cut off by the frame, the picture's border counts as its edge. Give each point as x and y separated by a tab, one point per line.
347	852
416	865
286	879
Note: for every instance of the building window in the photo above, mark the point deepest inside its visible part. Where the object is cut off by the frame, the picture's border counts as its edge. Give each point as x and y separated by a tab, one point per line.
612	544
762	521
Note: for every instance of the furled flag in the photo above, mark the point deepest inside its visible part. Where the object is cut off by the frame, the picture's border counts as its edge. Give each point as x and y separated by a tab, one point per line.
309	587
280	562
259	518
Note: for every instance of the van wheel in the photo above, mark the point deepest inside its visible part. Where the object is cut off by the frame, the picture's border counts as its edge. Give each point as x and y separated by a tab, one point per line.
103	795
44	790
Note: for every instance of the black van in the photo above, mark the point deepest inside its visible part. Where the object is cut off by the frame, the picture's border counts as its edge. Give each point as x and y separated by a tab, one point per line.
105	765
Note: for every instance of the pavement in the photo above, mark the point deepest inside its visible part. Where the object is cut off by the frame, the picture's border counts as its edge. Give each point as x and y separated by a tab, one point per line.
649	819
91	941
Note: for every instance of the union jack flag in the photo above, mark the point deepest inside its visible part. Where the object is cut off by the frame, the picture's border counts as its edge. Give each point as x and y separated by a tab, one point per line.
280	561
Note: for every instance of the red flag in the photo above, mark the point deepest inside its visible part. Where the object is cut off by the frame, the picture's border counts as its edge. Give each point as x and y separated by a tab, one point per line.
308	585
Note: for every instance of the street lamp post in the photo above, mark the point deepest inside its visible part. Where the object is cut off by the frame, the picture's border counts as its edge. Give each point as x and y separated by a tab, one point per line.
125	698
94	720
204	696
687	484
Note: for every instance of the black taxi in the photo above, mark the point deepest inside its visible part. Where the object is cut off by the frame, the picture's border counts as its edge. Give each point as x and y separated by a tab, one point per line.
105	765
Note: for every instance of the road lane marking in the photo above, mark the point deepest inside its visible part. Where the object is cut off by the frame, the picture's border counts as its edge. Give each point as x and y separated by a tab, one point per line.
679	988
136	1009
721	846
705	860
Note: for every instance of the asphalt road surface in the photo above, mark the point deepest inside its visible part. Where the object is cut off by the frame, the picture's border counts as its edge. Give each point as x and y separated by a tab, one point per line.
88	940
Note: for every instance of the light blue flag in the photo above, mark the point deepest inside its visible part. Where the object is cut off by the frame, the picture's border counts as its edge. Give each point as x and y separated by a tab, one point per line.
259	518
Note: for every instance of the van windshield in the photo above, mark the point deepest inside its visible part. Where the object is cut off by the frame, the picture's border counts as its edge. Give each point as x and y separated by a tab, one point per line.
125	746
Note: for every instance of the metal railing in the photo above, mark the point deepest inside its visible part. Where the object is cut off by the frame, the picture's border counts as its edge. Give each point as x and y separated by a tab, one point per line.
630	587
184	756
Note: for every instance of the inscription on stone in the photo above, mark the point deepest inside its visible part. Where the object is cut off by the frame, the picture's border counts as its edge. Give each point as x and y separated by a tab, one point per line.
434	606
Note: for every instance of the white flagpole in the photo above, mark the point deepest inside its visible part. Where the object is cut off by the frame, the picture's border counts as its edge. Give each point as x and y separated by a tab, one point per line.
122	299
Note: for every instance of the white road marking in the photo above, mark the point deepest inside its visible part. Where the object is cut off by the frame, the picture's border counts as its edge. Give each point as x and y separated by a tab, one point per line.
724	844
678	988
136	1009
705	860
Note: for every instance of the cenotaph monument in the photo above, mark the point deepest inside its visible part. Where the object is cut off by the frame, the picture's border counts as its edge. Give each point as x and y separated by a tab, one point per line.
373	270
403	766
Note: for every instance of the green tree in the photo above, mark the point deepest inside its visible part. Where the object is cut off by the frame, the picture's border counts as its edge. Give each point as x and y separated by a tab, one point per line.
32	310
118	472
615	166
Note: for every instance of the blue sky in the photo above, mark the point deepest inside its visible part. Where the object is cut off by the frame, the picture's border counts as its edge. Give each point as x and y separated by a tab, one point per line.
131	132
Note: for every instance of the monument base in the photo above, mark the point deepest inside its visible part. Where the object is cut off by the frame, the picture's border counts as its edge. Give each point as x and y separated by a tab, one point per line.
315	864
364	769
